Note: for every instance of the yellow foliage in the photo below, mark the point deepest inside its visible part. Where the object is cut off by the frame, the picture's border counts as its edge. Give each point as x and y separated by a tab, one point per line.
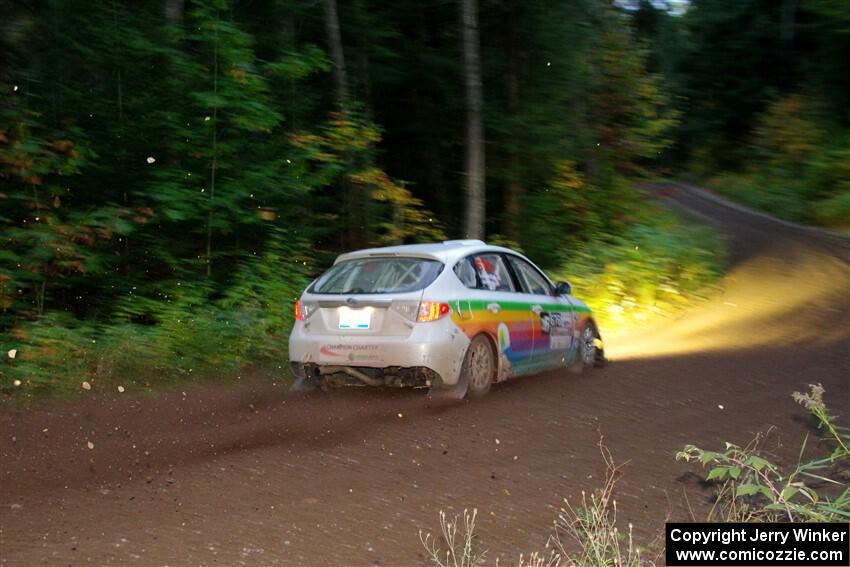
567	177
787	131
410	219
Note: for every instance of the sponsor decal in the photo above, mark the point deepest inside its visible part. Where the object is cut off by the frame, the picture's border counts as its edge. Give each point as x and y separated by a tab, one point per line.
504	336
328	352
555	323
352	353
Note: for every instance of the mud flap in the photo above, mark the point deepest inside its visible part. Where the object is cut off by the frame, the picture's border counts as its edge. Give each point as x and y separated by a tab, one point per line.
601	359
305	384
440	393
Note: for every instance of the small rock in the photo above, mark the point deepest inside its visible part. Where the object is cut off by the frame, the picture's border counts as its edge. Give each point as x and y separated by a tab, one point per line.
86	385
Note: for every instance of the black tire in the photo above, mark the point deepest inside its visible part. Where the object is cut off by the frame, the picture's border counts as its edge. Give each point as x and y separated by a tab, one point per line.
479	367
588	355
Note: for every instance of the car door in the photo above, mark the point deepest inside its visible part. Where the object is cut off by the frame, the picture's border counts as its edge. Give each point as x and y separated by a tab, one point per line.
493	306
551	315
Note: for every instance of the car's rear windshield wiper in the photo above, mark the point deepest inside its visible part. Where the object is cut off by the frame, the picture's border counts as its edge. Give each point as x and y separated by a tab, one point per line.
354	290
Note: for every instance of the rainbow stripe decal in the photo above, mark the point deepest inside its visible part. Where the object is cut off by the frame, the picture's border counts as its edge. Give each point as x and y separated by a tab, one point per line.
527	341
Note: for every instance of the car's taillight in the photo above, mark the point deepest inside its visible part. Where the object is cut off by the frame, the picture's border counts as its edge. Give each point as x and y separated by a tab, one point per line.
299	315
432	310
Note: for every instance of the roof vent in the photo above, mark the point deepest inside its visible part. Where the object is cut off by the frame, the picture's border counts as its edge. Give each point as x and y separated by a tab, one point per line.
470	242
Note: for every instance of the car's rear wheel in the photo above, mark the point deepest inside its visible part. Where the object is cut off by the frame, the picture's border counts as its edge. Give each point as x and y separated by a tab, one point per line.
479	367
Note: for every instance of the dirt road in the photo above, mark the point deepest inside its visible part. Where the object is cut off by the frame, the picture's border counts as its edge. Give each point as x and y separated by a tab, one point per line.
254	475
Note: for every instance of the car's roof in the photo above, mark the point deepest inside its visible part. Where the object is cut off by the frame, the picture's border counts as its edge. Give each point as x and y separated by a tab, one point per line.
445	252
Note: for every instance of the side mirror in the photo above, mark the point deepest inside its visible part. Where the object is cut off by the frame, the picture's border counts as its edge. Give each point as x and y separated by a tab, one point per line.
563	288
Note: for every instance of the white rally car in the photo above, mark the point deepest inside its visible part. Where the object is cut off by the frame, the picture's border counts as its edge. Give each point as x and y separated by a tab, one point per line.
456	316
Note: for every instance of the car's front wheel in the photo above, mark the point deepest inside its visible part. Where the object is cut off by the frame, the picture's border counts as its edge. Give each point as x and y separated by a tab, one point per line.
587	355
479	367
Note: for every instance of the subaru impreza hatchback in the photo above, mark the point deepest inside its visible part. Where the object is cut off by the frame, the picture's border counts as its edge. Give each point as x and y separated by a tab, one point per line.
455	316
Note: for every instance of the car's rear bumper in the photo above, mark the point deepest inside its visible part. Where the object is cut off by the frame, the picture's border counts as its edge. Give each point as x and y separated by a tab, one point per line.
439	346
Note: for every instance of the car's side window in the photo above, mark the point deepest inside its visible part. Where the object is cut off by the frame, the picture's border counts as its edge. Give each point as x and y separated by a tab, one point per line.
530	279
466	273
485	271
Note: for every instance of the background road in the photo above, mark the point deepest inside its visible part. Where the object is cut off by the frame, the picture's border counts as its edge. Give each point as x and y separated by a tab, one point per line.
251	474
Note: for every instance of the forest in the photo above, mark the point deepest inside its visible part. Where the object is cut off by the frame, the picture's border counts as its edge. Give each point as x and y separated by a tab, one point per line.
174	172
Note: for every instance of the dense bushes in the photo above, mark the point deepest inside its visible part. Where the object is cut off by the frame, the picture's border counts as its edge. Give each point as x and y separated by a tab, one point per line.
751	488
798	167
187	332
655	266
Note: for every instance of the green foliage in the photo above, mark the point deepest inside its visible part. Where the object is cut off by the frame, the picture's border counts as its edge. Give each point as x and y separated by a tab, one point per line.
833	211
724	80
763	111
261	299
629	111
44	241
565	216
656	266
787	134
798	171
780	198
187	332
613	120
752	489
139	249
828	184
372	206
52	353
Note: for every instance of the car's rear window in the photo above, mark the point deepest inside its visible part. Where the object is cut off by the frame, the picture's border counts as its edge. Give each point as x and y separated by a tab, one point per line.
378	275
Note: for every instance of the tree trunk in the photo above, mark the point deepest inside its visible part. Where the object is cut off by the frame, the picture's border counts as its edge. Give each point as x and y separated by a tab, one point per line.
513	188
174	11
789	9
786	34
335	46
214	163
475	192
354	198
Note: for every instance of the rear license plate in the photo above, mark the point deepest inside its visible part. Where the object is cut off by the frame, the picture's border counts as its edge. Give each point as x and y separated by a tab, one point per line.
354	318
